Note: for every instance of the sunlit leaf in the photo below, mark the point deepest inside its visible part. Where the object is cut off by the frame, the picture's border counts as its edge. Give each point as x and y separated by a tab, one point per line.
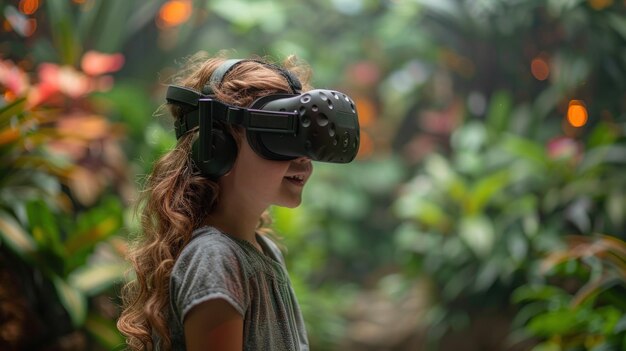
439	169
95	278
94	226
73	300
557	322
485	189
478	234
536	292
526	149
93	235
268	15
14	235
470	137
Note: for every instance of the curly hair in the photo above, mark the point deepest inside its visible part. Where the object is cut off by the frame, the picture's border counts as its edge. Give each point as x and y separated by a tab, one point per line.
176	200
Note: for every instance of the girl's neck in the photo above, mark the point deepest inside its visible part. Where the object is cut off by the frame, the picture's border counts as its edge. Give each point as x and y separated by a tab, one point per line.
236	220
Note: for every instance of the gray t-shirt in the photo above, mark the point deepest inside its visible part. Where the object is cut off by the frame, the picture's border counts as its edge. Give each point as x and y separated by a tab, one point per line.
218	266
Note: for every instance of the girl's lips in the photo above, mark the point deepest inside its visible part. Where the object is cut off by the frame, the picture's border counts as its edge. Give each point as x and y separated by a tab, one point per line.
295	181
298	179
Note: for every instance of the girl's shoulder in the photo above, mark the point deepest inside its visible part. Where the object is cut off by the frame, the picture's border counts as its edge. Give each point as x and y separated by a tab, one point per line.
212	240
210	247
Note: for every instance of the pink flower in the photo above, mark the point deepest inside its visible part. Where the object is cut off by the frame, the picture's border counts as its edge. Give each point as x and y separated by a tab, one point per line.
13	78
364	73
563	148
95	63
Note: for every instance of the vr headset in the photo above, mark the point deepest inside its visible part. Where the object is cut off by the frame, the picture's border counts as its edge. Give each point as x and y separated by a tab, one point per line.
319	124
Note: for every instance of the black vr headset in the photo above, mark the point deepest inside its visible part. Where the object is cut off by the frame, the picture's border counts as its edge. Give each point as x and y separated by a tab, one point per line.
319	124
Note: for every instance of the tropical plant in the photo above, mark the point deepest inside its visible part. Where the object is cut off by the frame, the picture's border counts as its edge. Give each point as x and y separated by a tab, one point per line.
531	160
580	305
57	241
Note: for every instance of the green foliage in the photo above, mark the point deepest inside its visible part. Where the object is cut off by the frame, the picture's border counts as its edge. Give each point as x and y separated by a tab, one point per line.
35	223
593	316
486	177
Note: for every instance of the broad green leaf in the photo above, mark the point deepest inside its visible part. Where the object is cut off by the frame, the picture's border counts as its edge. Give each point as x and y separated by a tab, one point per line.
8	111
270	16
73	300
12	234
113	16
499	112
88	238
557	322
478	234
536	292
471	137
87	17
517	245
602	156
484	190
618	23
527	149
439	170
487	275
44	226
616	208
547	346
432	214
95	225
64	35
95	278
602	134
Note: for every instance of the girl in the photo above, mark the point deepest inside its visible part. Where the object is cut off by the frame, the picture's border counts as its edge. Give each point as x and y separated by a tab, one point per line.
206	276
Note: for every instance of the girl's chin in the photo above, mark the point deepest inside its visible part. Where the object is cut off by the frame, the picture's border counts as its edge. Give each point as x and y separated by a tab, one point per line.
291	203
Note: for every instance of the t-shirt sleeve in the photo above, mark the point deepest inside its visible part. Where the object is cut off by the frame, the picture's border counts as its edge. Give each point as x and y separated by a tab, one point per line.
208	268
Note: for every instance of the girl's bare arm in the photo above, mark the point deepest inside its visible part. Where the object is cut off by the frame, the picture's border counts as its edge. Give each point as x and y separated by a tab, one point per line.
214	325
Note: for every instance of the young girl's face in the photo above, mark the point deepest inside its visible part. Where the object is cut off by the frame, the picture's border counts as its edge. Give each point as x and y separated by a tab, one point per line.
259	182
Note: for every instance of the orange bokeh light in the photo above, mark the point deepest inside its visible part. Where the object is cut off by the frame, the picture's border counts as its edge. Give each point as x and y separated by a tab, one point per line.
600	4
174	12
577	113
540	68
366	110
366	145
28	7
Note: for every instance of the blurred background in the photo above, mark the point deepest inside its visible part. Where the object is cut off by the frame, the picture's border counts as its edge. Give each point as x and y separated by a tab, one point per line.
486	209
